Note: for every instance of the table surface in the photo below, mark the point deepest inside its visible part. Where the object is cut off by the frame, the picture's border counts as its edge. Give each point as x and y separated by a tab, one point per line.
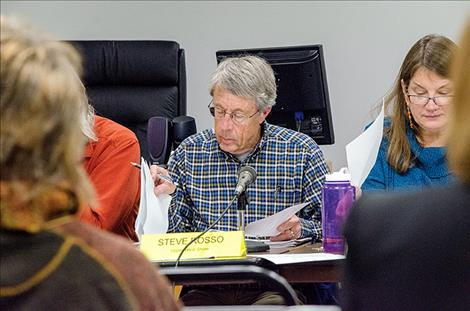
305	263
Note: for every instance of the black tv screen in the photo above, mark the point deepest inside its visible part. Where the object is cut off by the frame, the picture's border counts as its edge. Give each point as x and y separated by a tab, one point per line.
303	102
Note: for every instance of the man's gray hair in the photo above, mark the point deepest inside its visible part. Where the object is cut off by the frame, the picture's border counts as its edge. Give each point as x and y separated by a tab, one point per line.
246	76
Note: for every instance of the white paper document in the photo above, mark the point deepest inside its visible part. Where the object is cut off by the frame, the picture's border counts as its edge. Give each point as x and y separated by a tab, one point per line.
282	259
362	152
153	211
283	244
268	226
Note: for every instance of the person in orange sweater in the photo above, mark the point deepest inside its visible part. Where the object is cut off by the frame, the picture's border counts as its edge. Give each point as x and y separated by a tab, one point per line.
110	149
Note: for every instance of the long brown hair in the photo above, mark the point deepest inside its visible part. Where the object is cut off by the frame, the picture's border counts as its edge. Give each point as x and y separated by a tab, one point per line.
433	52
458	141
41	100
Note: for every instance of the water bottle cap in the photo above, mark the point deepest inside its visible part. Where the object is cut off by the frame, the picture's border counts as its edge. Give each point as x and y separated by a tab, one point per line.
342	175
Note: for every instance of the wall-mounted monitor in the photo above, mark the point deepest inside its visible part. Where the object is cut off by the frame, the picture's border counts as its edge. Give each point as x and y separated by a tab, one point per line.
303	102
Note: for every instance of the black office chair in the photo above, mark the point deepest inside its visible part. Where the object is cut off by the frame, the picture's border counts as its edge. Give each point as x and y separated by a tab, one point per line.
230	274
130	82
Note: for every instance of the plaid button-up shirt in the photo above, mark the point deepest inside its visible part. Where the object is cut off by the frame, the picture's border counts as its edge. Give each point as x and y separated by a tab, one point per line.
290	170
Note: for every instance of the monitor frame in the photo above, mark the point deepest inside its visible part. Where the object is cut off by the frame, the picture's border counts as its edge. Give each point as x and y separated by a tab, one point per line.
306	62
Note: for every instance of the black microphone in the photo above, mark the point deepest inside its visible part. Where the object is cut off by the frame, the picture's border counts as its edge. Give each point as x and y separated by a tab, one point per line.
159	139
246	176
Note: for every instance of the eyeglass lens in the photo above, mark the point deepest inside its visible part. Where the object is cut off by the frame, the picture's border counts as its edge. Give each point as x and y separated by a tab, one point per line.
424	100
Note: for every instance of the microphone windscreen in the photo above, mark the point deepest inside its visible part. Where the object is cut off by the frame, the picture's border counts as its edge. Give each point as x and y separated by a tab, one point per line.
246	176
247	171
159	139
183	126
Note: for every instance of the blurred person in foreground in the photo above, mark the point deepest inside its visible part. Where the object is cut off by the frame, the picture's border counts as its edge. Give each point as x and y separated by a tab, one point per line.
50	260
412	152
411	251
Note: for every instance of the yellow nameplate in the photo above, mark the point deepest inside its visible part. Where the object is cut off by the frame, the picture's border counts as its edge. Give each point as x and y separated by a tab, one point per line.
212	245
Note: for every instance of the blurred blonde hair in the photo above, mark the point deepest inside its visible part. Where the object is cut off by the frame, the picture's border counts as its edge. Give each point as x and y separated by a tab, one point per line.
459	128
41	104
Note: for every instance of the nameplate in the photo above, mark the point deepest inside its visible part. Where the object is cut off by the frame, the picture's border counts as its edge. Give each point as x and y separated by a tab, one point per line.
212	245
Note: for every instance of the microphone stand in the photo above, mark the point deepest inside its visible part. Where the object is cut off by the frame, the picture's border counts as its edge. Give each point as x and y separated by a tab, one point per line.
251	246
204	232
241	207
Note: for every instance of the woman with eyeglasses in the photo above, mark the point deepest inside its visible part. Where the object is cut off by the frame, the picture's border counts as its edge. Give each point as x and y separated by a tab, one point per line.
412	152
419	259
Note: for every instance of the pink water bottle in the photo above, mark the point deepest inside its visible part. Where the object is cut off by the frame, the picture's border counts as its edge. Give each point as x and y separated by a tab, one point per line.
337	198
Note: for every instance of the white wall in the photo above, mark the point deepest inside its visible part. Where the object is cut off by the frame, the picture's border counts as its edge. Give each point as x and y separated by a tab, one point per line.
364	41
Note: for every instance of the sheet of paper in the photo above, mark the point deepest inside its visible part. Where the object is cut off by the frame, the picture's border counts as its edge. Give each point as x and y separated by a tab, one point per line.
267	226
362	152
282	259
282	244
153	211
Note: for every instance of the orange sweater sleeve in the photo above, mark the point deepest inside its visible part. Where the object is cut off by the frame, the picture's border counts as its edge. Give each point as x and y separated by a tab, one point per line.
116	182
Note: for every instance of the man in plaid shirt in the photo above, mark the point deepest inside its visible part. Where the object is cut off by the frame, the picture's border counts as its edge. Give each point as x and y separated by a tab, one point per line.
290	166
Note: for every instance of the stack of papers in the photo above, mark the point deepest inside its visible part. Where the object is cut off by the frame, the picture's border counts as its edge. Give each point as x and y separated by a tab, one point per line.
282	244
282	259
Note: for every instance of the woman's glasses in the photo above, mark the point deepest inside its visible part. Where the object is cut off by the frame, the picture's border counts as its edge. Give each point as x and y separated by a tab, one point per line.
423	100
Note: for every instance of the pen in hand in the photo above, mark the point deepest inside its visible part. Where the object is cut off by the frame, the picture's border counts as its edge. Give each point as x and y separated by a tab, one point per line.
164	177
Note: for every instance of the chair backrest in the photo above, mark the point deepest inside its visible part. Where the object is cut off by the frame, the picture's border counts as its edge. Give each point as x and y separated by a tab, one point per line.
232	274
131	81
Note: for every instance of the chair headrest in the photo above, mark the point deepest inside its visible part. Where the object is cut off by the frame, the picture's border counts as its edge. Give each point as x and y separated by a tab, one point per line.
129	62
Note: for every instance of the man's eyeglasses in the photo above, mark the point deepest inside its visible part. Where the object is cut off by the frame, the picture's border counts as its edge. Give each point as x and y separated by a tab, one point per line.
237	117
423	100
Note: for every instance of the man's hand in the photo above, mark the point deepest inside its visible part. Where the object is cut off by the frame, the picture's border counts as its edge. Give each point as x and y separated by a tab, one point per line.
289	230
161	185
